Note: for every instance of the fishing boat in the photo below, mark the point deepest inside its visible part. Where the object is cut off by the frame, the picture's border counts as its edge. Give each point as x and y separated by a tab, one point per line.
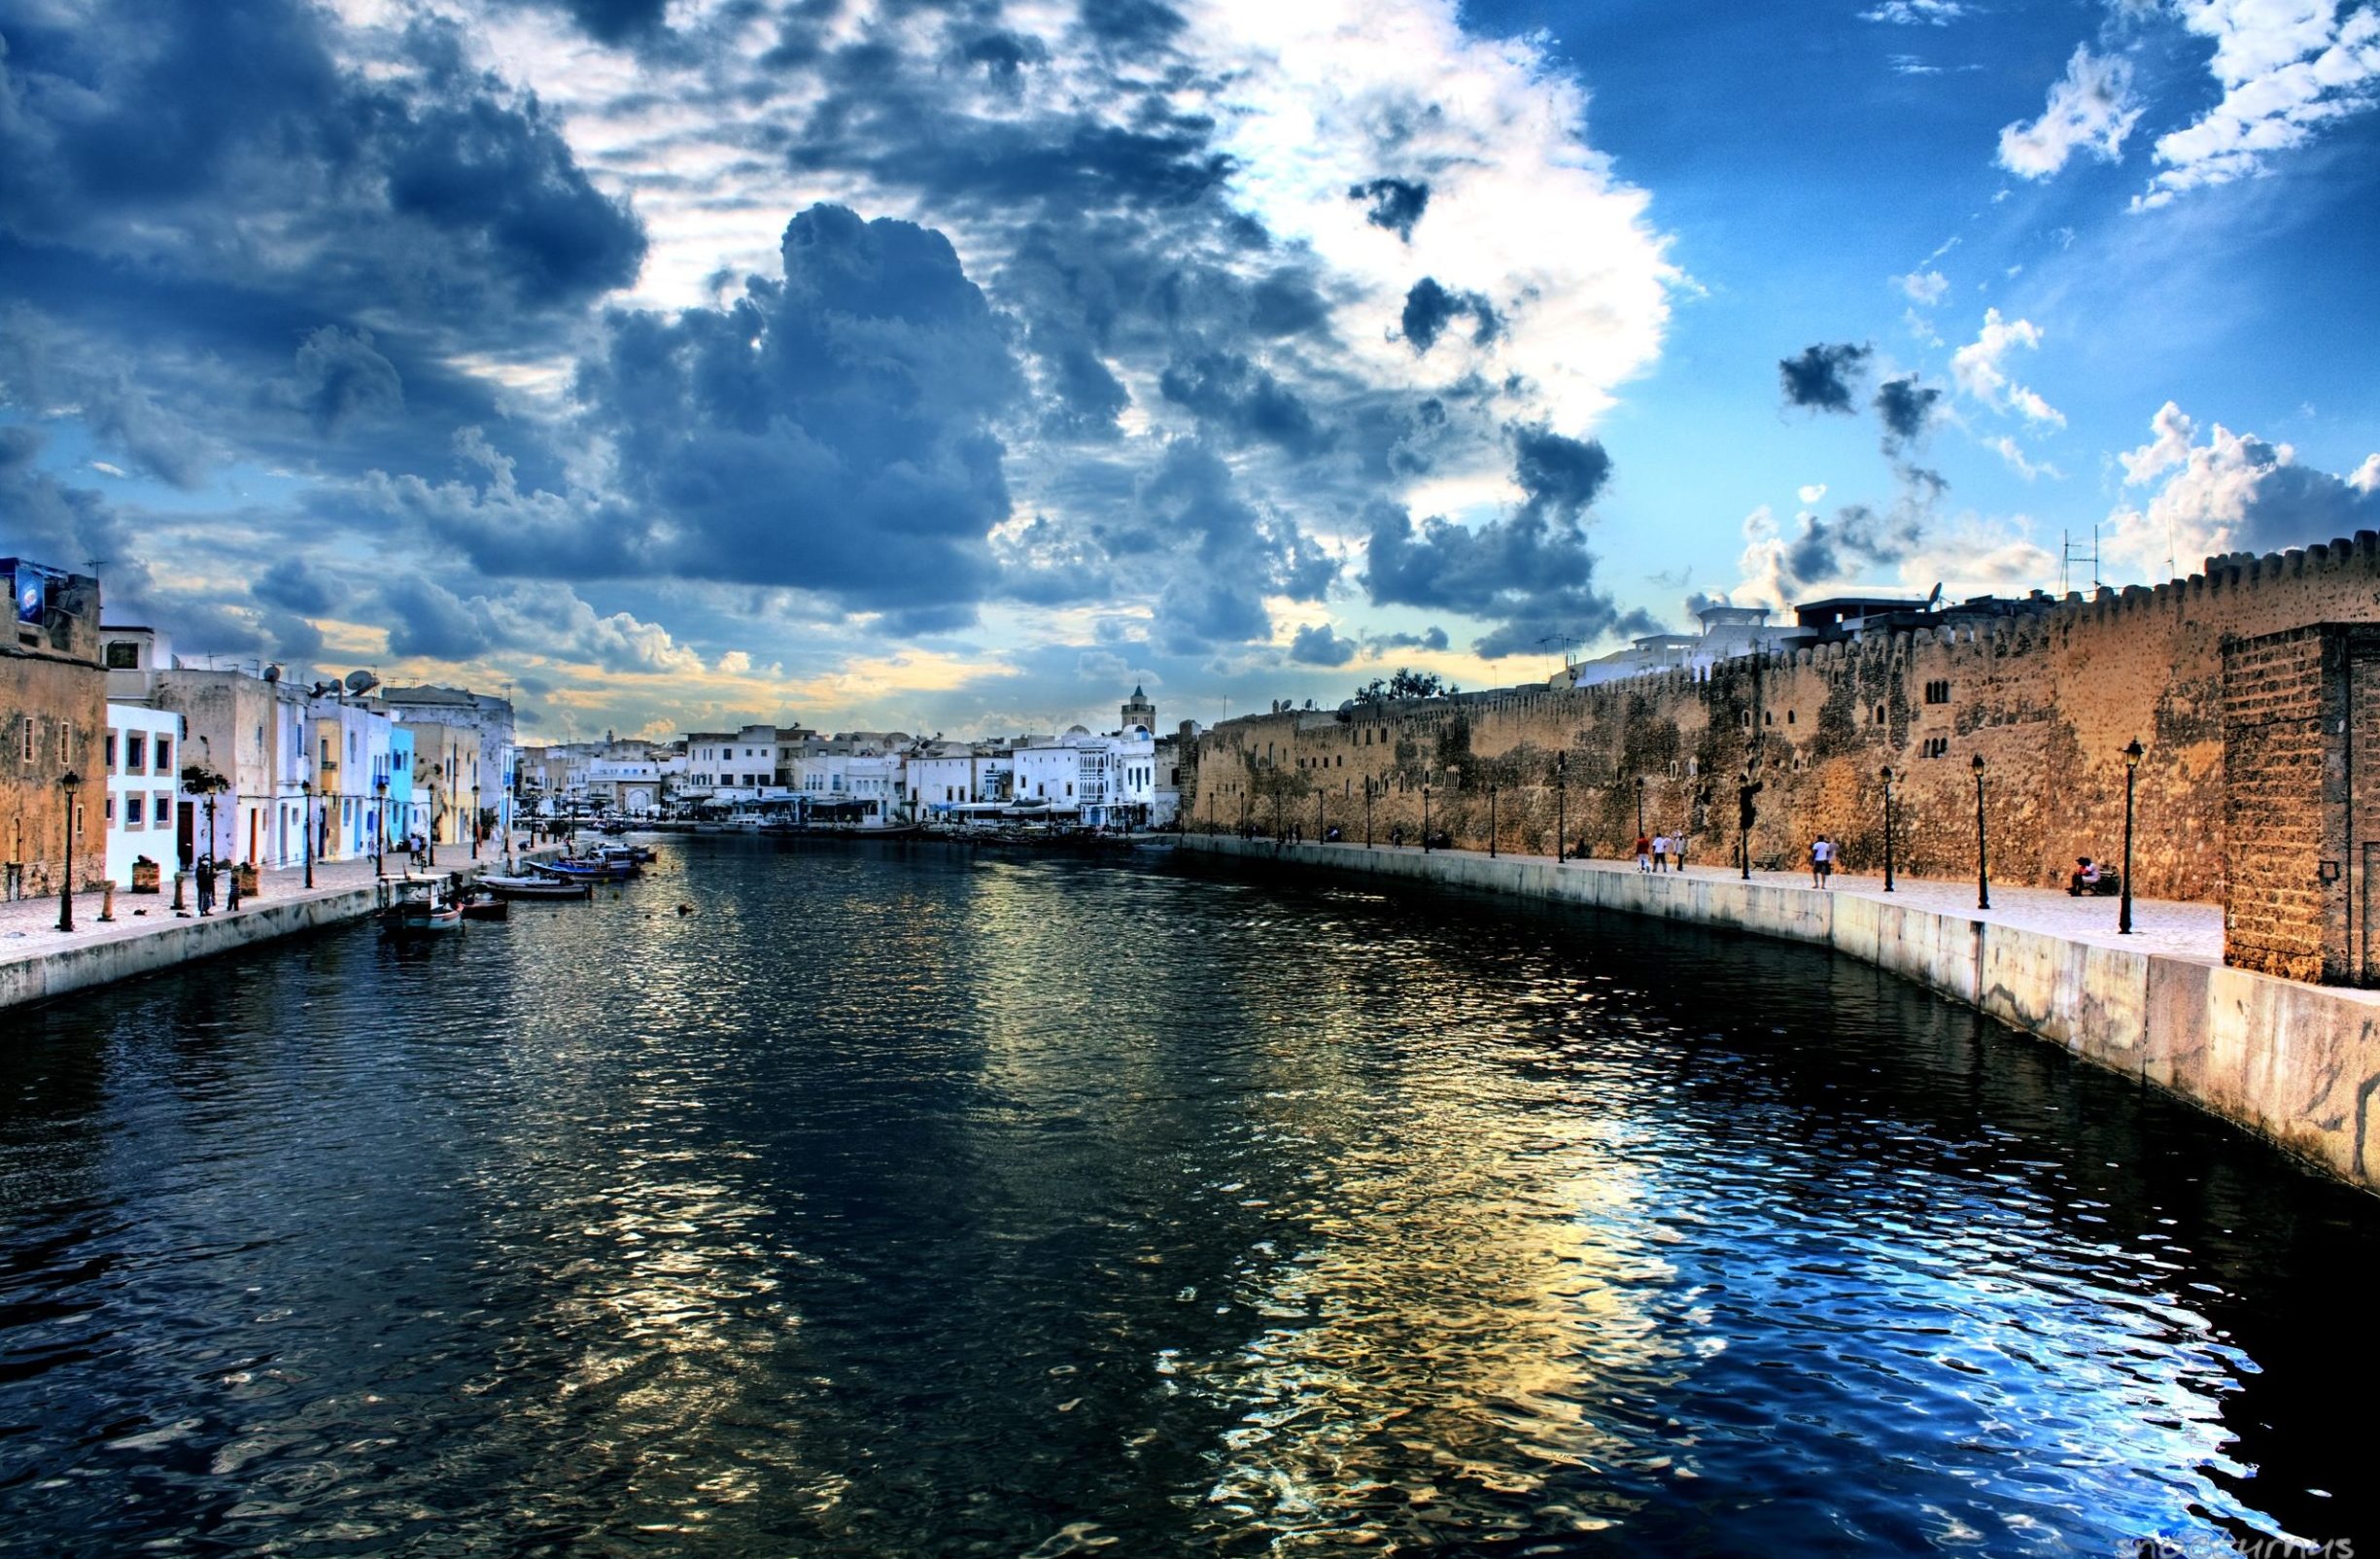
482	903
584	869
421	906
532	886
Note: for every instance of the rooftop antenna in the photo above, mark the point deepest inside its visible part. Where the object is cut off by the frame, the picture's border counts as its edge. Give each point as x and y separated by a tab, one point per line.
2070	554
1565	642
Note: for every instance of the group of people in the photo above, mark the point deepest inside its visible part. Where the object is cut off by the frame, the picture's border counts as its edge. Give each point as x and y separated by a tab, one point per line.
1658	852
206	872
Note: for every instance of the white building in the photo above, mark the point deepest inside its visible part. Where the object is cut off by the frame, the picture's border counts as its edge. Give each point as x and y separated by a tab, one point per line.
146	810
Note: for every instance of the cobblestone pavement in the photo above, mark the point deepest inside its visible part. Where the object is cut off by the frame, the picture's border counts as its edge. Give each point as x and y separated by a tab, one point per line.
28	927
2159	926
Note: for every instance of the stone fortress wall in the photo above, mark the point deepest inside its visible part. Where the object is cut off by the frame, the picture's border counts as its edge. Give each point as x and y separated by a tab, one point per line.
2049	698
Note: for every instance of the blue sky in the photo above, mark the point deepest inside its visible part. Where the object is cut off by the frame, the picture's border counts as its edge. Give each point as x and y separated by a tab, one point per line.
956	365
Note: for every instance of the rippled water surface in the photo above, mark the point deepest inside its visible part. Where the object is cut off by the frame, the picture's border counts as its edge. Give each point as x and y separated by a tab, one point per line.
901	1203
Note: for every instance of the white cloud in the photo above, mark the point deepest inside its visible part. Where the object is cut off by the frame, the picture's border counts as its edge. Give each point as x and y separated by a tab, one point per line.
2235	491
2169	448
1918	13
1980	369
2092	109
1811	492
1923	287
2009	451
2286	68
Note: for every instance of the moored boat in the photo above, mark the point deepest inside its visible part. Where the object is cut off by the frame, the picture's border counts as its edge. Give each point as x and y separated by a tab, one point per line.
530	886
420	906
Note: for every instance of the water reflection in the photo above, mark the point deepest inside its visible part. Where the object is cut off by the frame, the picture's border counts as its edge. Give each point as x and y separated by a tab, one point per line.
903	1203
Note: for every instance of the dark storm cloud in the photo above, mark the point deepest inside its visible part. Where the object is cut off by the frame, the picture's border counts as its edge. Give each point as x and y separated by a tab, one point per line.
617	21
1427	639
1317	645
1430	308
2290	505
829	430
1907	409
427	619
1822	377
296	585
233	118
1530	572
1231	553
340	377
1396	204
1857	537
1233	397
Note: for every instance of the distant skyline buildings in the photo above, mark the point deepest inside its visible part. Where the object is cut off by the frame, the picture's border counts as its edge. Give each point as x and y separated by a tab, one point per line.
676	363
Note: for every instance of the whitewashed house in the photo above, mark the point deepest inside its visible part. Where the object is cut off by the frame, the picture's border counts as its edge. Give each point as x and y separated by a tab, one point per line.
146	811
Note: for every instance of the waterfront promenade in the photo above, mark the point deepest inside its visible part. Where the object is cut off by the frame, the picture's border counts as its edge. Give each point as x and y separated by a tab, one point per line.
2298	1063
37	960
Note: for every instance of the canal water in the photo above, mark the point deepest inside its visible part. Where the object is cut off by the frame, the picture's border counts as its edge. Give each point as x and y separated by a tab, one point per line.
898	1202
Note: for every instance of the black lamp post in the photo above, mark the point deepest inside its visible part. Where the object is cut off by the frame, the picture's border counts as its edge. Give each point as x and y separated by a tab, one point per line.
305	789
1368	813
1491	823
2131	773
1562	808
1640	806
1424	817
433	824
70	782
1983	862
1747	788
1318	816
474	820
1280	834
1887	827
380	828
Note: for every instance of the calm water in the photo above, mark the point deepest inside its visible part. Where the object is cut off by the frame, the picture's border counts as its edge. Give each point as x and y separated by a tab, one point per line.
903	1205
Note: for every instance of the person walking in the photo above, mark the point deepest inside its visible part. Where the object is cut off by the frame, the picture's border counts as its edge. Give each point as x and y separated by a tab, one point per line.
1660	853
1644	854
206	885
1821	861
231	890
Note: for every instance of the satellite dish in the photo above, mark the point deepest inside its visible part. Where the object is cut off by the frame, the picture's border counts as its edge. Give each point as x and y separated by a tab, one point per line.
272	673
319	688
359	679
1934	600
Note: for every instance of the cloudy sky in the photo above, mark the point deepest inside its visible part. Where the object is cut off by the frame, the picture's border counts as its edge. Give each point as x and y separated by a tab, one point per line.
955	365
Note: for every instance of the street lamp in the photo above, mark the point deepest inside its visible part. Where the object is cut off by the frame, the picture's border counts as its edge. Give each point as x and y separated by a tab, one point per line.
1562	799
2131	773
1367	813
1640	806
1747	788
435	814
1491	823
380	829
1318	816
305	789
70	782
1982	864
1887	827
474	820
1425	816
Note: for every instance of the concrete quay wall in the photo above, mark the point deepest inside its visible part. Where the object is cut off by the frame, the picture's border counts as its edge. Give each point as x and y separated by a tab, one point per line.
2296	1064
129	949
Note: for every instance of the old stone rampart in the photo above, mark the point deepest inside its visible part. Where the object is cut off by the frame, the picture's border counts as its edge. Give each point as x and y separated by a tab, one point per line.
2048	698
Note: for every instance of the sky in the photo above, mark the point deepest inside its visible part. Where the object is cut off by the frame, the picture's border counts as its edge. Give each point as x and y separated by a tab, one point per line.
955	366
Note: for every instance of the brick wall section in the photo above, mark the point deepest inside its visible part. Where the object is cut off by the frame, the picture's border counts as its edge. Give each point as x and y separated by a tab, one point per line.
2048	702
2280	708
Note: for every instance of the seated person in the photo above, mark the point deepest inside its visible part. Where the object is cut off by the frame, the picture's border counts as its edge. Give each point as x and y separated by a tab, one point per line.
2085	878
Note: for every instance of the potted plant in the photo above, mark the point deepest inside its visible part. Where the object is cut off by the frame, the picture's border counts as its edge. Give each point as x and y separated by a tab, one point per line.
144	875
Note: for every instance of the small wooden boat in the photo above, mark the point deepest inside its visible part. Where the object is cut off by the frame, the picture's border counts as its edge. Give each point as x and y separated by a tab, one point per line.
581	869
421	906
535	888
484	905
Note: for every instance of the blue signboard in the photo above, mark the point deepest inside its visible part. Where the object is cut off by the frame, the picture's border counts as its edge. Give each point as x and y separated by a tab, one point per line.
31	584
